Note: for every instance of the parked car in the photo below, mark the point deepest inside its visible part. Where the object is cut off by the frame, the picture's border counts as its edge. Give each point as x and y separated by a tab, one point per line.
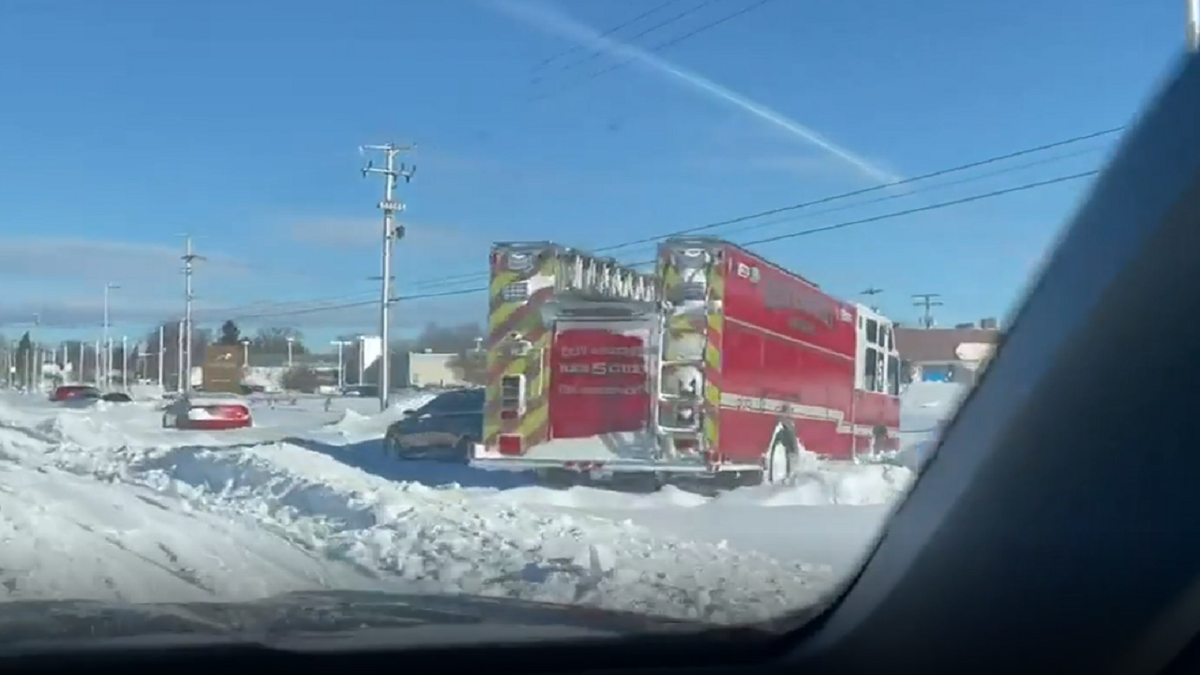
196	410
445	428
117	397
362	390
74	392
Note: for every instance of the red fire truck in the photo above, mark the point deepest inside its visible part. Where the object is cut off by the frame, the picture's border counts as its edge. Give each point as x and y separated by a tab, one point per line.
718	363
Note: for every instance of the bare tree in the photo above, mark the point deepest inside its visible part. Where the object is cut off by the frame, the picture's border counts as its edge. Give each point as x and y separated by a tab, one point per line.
230	335
471	366
274	340
301	379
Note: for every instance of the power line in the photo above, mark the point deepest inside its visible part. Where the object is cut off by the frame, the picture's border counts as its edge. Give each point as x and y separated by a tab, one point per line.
799	233
652	50
923	209
646	31
610	31
823	200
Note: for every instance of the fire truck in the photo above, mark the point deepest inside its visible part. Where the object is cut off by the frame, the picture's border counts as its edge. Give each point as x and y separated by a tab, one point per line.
718	363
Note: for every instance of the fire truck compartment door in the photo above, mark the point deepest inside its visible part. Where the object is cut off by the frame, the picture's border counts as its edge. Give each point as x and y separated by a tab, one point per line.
599	378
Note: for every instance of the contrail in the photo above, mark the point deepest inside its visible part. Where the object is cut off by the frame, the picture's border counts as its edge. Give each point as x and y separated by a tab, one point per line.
567	27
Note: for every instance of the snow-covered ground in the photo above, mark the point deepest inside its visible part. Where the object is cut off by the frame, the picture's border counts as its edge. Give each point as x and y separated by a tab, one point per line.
103	503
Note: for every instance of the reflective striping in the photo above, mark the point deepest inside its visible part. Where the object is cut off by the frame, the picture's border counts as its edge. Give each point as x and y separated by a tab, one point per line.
791	409
524	318
712	355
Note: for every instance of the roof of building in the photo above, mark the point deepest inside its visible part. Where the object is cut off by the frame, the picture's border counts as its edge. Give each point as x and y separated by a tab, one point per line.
939	344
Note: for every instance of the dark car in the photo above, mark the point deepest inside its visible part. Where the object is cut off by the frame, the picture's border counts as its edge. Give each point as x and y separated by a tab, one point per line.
116	397
444	428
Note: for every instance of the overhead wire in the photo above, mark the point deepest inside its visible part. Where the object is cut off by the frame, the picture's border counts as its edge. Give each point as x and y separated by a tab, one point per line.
571	84
343	301
787	235
644	32
628	22
975	164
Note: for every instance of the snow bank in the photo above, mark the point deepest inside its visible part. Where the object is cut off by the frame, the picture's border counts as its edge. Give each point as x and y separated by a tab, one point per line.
295	504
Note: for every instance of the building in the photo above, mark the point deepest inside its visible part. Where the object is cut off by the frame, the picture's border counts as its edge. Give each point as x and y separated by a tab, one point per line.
946	354
431	369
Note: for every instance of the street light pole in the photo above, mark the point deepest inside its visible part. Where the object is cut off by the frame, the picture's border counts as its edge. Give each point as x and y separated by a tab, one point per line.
162	352
341	345
291	341
107	369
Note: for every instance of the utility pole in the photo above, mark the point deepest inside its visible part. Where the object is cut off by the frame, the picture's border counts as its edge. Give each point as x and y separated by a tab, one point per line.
189	258
107	368
390	207
872	292
927	301
1193	25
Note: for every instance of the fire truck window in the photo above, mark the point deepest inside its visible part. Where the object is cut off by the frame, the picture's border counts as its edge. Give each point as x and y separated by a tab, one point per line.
870	364
872	331
893	375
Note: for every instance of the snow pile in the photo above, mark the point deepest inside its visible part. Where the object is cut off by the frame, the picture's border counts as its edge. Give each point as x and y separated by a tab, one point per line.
146	392
328	524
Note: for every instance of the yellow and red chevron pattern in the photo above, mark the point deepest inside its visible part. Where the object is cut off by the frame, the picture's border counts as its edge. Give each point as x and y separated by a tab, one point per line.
513	320
712	354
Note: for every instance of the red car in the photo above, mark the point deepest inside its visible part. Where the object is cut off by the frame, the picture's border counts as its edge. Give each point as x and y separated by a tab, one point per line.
207	412
75	392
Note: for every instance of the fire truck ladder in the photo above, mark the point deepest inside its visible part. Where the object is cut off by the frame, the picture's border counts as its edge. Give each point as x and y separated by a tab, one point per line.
590	277
679	386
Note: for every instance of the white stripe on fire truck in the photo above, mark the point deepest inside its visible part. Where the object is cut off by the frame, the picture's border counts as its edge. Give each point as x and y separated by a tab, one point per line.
781	336
774	406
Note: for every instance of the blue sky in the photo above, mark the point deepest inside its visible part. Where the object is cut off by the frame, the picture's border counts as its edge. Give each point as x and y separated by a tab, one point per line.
124	123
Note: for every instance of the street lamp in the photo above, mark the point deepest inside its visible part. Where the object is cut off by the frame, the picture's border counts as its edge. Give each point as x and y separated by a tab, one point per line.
107	369
341	345
245	353
290	342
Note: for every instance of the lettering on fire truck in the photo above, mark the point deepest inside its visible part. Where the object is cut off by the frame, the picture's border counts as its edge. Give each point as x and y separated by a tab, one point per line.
572	352
602	368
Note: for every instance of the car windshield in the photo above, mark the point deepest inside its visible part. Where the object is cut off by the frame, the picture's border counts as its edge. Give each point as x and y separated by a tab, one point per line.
686	289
